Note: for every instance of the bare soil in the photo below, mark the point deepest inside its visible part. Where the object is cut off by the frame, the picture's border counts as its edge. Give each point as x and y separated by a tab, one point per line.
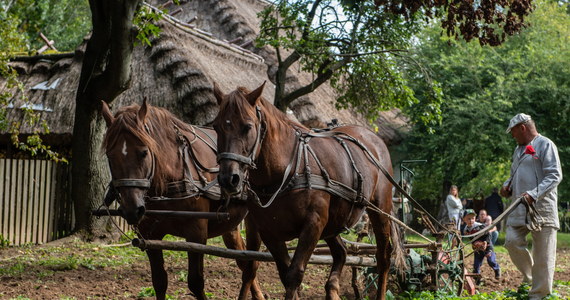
39	281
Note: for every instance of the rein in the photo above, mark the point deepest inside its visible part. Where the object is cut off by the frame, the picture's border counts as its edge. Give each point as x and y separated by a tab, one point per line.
324	182
533	219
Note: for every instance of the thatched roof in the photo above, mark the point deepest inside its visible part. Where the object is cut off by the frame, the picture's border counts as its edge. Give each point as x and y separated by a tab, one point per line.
177	72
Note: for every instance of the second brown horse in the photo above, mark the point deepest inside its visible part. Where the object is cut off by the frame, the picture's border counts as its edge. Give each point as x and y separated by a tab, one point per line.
310	186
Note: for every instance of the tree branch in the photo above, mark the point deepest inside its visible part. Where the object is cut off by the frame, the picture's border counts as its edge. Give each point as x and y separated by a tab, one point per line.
322	77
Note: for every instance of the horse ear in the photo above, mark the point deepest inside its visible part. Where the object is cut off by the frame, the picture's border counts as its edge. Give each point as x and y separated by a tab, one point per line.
106	112
218	94
253	96
142	111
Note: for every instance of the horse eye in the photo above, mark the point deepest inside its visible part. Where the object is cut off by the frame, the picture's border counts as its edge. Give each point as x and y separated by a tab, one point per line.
247	128
143	153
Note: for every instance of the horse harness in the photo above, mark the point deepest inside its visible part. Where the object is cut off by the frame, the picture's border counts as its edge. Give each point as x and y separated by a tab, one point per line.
177	190
300	158
325	183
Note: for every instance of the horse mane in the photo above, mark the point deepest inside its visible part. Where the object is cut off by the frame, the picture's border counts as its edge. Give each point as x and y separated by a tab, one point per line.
159	122
242	108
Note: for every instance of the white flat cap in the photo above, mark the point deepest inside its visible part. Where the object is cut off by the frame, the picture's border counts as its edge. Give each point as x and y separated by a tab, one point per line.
518	119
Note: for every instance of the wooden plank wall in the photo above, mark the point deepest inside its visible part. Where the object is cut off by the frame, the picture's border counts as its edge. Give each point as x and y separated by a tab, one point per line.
35	202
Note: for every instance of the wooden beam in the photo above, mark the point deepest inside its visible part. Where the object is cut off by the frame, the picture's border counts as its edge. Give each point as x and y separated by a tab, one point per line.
169	213
242	254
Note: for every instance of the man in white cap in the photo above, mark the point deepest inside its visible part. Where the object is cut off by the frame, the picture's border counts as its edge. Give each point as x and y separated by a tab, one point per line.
535	175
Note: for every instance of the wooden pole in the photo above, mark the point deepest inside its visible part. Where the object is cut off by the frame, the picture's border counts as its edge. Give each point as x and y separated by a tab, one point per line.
48	42
242	254
169	213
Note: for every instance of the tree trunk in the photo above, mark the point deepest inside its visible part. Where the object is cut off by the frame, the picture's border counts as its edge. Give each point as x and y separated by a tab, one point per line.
105	74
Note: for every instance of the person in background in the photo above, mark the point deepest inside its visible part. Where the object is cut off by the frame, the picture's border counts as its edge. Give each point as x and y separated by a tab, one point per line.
479	202
486	220
482	247
535	175
494	206
454	206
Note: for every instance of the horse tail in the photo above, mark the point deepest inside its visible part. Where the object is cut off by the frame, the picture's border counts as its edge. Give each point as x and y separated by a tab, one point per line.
398	250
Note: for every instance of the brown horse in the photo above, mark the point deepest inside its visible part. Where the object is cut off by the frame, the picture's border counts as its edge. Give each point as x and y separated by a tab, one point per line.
310	185
151	153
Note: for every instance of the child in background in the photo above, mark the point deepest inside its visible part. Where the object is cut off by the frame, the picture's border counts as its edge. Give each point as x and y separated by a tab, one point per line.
482	247
485	219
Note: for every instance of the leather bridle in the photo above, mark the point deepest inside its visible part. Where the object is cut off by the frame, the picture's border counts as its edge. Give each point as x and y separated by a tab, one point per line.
134	182
250	159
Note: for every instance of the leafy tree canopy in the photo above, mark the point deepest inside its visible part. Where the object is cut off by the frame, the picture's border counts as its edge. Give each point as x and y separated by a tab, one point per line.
358	45
64	21
483	88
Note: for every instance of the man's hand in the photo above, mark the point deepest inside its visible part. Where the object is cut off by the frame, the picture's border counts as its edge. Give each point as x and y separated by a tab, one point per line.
528	198
506	191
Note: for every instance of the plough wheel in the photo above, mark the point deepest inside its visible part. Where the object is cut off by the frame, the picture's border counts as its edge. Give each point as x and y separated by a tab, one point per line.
448	265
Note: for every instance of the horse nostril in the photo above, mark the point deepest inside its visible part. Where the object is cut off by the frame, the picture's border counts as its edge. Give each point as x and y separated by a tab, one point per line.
140	211
235	180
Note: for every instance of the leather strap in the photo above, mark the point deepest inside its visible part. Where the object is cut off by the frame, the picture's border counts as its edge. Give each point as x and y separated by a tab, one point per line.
140	183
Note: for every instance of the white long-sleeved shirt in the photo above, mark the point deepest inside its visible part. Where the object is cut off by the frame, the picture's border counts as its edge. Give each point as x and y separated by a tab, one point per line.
539	176
454	207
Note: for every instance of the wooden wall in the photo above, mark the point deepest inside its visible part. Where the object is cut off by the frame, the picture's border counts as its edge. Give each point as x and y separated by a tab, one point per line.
35	201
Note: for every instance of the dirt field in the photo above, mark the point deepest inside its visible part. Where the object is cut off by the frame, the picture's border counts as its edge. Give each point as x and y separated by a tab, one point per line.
88	271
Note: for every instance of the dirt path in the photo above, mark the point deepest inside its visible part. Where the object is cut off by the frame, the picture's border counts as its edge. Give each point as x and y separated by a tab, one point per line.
31	272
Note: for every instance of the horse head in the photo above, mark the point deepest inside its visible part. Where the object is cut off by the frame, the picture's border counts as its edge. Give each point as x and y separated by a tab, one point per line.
129	150
240	132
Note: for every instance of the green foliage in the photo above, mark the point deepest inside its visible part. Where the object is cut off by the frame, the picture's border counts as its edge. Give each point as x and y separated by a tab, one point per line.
20	297
69	262
65	22
353	46
483	88
144	22
13	270
147	292
4	242
520	293
10	41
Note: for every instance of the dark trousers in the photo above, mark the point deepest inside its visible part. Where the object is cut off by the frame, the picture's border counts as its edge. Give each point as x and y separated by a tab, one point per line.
478	261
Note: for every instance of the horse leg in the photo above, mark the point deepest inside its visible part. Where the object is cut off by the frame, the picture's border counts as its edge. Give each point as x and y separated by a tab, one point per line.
308	239
381	226
233	240
278	250
159	276
253	242
196	274
338	253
